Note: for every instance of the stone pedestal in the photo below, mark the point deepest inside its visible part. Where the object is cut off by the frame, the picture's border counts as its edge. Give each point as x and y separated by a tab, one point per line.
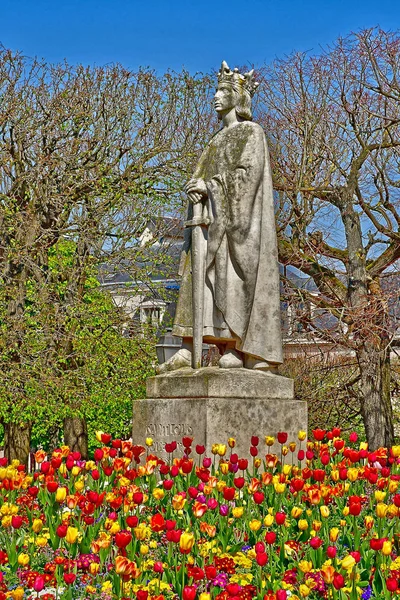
213	404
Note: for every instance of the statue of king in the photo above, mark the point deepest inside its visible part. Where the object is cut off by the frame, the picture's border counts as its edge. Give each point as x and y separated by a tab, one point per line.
237	286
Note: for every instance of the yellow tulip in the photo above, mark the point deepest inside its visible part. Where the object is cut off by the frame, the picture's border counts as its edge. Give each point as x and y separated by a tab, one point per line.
268	520
352	474
238	512
17	594
23	559
279	488
334	534
316	525
61	494
231	442
205	596
144	549
302	524
380	495
72	535
296	512
346	511
381	509
224	468
41	541
37	525
304	590
149	441
79	485
348	562
269	440
325	512
396	451
255	525
387	548
305	566
94	568
186	542
178	502
302	435
158	493
221	451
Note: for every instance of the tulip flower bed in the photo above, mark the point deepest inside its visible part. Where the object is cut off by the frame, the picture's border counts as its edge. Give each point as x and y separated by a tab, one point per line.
318	520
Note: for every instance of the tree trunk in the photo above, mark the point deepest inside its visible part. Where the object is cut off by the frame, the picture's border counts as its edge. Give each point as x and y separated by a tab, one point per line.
376	404
76	435
17	441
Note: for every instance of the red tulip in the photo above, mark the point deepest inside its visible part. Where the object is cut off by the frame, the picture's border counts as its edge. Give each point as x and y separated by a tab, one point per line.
200	449
137	497
158	567
239	483
187	441
52	486
168	484
69	578
270	537
169	524
38	584
45	466
142	594
280	518
338	581
355	509
331	551
105	439
297	484
123	538
233	589
262	559
16	521
61	531
353	437
33	491
259	547
376	544
228	493
280	595
316	542
255	440
300	455
211	572
189	592
319	434
243	464
98	454
282	437
356	555
132	521
253	451
157	522
95	474
391	584
258	497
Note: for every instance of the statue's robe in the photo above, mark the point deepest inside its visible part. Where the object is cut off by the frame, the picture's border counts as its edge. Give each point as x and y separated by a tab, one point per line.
241	288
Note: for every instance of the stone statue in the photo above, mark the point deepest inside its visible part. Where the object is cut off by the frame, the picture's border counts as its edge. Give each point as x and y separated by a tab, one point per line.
232	293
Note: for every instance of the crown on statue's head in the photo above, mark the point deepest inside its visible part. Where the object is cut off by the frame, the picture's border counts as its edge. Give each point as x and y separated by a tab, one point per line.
236	79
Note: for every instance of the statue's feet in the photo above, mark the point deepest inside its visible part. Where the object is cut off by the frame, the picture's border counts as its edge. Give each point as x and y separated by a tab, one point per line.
180	360
231	360
253	362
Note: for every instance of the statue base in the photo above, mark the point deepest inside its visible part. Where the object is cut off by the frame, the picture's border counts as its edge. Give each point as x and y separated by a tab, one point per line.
213	404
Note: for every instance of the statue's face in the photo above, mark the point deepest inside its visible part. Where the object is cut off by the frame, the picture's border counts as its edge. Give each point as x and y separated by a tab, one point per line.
225	99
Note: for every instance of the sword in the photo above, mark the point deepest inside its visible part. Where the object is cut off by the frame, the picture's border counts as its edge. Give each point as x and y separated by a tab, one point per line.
199	224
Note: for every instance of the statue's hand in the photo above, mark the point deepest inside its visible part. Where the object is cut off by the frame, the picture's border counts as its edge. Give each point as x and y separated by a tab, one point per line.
195	197
196	186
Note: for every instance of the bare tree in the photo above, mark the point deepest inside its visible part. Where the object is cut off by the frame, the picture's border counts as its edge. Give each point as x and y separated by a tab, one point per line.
87	155
333	122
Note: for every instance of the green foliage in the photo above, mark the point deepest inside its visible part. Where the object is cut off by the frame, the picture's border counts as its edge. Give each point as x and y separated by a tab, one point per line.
77	358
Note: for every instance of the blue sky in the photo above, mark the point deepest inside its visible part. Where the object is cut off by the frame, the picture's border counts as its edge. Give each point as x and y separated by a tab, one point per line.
173	33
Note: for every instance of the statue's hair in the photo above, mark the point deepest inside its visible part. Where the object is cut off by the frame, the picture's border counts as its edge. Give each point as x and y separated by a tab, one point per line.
243	106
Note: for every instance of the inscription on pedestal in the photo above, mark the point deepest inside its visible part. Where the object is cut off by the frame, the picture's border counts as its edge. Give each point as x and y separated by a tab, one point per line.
169	429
